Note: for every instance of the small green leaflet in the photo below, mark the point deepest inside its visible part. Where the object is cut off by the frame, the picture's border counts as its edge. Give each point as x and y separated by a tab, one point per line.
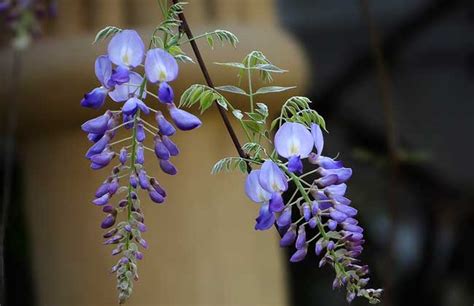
105	33
271	89
232	89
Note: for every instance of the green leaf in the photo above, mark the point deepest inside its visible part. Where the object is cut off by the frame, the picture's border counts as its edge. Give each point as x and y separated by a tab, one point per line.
232	89
105	33
206	100
235	65
269	68
262	109
222	103
184	58
254	126
229	164
237	114
210	41
271	89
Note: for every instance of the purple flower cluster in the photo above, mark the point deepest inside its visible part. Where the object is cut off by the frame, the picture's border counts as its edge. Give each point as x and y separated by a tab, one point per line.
126	87
321	204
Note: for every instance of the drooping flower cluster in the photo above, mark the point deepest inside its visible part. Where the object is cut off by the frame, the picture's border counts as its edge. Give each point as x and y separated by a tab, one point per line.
24	18
320	204
126	87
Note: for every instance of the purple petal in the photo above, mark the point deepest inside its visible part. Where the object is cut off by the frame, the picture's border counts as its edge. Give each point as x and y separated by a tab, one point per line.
328	163
99	146
336	190
123	156
168	167
332	225
143	107
347	210
285	218
272	178
160	66
306	211
103	70
254	190
133	180
161	151
184	120
96	125
126	49
165	127
301	239
165	93
102	200
108	222
170	145
131	106
95	98
327	180
123	92
265	219
343	174
295	165
140	155
299	255
338	216
293	139
103	189
102	159
143	180
120	75
318	138
140	133
276	202
154	183
289	237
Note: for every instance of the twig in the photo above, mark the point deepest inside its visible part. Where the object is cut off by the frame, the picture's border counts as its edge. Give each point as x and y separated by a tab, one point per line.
185	27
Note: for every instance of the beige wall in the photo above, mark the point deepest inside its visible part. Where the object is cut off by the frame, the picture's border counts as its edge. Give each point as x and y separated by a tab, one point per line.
203	249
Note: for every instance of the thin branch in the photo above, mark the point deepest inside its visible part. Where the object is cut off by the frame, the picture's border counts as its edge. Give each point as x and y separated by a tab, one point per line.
185	27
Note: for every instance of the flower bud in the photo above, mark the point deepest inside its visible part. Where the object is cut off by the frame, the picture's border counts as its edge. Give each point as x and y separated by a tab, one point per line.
301	240
95	98
165	93
123	156
168	167
164	126
133	180
285	217
102	200
96	125
170	145
161	151
299	255
143	179
103	189
140	133
140	155
108	222
156	197
306	211
289	237
99	146
154	183
184	121
332	225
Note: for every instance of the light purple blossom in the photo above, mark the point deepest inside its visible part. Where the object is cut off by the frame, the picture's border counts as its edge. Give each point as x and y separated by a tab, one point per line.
294	142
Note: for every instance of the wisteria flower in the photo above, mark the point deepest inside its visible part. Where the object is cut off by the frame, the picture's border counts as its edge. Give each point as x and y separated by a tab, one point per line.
161	67
294	142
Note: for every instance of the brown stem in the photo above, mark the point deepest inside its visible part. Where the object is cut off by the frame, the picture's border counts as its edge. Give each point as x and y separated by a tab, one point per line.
205	72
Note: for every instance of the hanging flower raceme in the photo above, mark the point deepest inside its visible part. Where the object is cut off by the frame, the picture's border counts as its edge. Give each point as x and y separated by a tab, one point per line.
127	88
321	204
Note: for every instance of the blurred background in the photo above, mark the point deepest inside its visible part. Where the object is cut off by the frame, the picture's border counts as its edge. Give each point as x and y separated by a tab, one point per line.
395	83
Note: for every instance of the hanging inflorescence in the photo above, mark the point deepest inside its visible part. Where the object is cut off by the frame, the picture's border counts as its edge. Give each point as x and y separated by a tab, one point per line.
128	89
317	204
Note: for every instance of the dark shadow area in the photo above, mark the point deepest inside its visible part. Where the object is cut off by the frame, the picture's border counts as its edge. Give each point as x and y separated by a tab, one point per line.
418	225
